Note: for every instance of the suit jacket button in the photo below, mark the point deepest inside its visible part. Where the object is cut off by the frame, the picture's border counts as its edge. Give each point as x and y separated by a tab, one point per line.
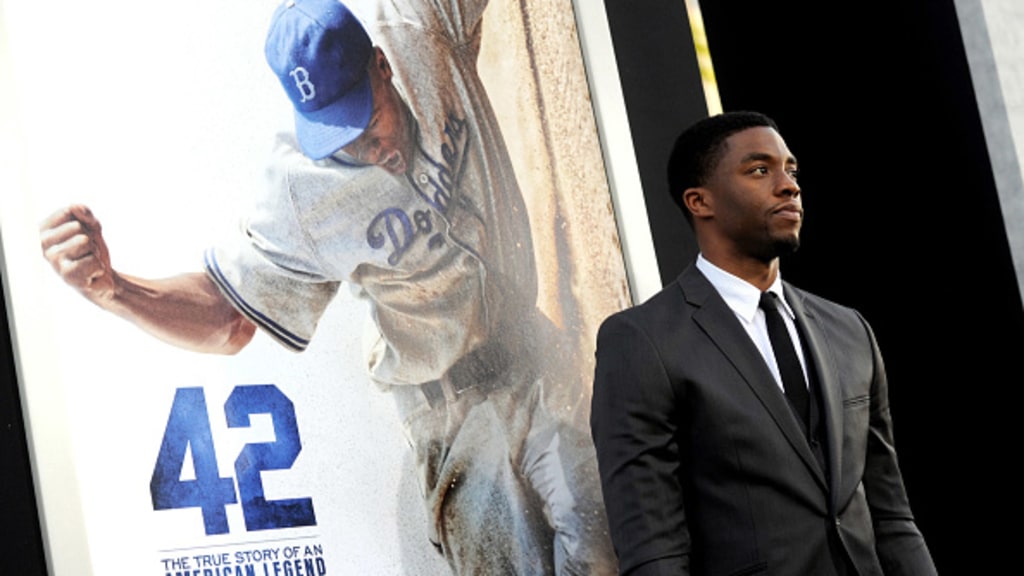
838	522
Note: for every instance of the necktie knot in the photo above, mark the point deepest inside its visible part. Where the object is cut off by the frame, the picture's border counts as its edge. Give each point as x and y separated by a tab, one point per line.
769	301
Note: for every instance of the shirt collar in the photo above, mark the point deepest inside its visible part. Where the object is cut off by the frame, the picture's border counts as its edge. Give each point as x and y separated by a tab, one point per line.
741	296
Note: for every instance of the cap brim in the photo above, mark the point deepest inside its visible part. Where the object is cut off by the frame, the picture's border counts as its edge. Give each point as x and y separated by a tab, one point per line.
323	132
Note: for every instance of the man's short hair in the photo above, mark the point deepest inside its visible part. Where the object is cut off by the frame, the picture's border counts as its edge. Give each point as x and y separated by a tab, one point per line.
699	148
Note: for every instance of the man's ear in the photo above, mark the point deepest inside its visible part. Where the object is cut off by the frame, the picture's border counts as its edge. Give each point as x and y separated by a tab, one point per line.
698	201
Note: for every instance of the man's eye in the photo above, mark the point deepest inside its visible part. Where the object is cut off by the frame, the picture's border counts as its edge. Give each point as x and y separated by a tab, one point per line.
760	170
793	173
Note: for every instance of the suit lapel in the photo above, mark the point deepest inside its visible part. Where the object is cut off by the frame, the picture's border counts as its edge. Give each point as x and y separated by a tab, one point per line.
719	322
828	384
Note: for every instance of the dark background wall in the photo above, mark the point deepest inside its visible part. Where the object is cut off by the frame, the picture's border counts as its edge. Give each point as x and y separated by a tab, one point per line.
21	545
903	220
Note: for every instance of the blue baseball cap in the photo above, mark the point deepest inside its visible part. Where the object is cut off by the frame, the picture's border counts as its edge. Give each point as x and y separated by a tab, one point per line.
320	51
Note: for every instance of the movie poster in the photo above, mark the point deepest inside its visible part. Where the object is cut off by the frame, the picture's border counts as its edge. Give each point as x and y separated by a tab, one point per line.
414	399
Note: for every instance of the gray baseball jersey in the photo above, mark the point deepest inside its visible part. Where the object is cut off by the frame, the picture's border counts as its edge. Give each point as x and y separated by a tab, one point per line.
442	253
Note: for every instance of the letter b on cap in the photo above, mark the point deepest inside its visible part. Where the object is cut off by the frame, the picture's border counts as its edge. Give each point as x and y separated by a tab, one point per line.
306	88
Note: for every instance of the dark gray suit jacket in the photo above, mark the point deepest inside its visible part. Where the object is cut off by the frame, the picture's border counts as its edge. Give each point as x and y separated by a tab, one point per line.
704	468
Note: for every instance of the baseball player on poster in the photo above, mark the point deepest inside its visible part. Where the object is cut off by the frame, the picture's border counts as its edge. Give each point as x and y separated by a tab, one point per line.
396	181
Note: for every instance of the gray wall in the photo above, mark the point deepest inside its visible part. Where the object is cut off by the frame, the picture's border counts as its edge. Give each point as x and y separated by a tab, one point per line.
993	36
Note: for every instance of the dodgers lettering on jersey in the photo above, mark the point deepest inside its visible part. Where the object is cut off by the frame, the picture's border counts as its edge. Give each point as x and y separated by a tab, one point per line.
393	229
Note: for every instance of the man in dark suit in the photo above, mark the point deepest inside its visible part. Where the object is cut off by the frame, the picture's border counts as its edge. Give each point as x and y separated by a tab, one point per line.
717	458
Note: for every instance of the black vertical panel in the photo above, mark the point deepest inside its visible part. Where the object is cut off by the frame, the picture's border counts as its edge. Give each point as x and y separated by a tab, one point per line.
21	546
903	223
662	89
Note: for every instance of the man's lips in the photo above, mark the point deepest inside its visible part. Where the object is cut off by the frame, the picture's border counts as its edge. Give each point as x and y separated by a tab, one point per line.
789	211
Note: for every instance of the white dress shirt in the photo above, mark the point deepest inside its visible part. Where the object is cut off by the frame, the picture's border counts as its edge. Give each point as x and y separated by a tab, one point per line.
743	298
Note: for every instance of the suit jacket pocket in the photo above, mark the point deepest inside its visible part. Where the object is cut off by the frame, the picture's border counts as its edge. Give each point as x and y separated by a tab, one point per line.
850	403
856	424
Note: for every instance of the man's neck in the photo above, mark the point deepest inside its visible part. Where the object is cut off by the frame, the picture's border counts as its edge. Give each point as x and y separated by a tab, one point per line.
757	272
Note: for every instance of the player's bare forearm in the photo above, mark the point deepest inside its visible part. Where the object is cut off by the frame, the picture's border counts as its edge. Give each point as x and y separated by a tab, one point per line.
187	310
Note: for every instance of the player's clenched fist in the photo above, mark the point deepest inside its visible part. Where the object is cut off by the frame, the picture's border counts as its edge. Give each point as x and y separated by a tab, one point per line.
186	310
72	242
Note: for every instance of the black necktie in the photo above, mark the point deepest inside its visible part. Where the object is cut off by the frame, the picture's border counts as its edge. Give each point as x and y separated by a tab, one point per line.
785	356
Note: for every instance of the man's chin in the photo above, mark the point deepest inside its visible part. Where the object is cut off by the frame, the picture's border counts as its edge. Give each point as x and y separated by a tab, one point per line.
787	246
781	247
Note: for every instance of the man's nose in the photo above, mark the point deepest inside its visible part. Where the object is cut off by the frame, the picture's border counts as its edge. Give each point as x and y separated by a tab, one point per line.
787	185
369	153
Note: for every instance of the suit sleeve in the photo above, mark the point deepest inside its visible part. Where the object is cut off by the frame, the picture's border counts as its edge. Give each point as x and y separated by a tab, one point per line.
634	423
899	544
